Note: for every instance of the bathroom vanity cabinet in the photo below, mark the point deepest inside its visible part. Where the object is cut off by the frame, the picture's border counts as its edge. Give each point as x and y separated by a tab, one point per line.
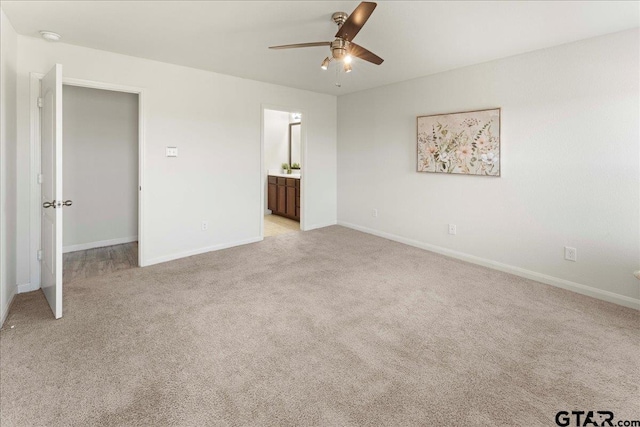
284	196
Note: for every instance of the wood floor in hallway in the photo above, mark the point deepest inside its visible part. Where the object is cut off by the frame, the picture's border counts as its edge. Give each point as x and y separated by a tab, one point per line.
99	261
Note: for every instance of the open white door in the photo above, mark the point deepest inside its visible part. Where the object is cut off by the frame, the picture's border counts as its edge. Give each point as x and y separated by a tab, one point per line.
51	189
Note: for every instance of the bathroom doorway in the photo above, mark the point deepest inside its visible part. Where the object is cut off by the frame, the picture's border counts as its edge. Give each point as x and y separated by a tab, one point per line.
283	172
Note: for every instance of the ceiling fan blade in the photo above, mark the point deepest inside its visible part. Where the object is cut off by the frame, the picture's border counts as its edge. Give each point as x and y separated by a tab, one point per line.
362	53
356	20
293	46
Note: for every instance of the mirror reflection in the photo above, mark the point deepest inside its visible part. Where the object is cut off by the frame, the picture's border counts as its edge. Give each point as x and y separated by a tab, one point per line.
294	144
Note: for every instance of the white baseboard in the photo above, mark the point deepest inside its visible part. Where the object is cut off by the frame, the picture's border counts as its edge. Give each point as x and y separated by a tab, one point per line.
100	244
528	274
199	251
27	287
5	309
315	226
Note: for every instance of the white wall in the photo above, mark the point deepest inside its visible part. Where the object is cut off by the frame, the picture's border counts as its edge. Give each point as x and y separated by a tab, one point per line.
276	144
215	121
100	168
570	169
8	146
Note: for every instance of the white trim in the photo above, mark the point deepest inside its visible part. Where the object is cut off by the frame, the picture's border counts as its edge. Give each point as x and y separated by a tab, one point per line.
316	226
6	308
69	81
34	88
27	287
527	274
99	244
185	254
35	216
303	155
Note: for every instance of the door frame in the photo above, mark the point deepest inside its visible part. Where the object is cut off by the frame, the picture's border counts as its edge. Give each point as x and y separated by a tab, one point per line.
34	217
303	154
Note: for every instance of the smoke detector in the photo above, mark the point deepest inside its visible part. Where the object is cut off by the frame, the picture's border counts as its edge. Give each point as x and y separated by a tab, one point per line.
50	36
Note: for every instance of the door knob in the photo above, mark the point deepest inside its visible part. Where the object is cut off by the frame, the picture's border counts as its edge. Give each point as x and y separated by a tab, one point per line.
49	204
67	203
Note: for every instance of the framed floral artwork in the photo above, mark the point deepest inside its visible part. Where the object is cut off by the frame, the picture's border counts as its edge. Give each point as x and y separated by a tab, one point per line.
465	143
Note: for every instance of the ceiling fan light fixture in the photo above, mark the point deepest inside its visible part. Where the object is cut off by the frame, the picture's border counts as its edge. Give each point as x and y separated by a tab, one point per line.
342	48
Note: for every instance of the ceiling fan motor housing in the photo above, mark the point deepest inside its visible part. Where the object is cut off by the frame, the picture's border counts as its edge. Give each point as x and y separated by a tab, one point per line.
339	48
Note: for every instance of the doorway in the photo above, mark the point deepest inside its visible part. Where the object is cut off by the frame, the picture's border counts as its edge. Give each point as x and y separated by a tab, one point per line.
283	170
100	176
47	195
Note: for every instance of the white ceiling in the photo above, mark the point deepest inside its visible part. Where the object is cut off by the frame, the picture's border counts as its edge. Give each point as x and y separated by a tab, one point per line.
414	38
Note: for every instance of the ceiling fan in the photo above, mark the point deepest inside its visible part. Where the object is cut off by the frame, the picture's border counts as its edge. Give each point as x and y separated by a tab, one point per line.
343	48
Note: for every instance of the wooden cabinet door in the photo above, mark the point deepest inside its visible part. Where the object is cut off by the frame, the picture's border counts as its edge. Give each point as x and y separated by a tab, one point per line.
297	204
281	200
291	202
272	196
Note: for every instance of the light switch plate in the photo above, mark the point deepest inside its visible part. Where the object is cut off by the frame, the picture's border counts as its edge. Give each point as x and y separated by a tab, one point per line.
172	151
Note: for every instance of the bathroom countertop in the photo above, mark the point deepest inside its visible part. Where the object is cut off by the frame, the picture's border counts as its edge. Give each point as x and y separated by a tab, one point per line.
286	175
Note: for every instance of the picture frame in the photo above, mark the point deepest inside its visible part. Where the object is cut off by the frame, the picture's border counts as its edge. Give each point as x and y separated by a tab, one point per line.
462	143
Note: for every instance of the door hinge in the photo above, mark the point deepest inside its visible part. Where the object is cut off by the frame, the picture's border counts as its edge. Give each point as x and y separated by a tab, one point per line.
39	255
39	102
39	178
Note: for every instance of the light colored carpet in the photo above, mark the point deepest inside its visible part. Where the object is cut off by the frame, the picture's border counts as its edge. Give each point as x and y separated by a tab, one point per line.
329	327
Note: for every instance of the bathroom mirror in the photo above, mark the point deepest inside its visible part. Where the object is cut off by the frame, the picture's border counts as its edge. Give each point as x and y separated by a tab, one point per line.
294	144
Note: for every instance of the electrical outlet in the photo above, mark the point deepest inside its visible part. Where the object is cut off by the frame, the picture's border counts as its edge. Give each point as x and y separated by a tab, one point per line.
452	229
172	152
375	213
205	225
570	254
